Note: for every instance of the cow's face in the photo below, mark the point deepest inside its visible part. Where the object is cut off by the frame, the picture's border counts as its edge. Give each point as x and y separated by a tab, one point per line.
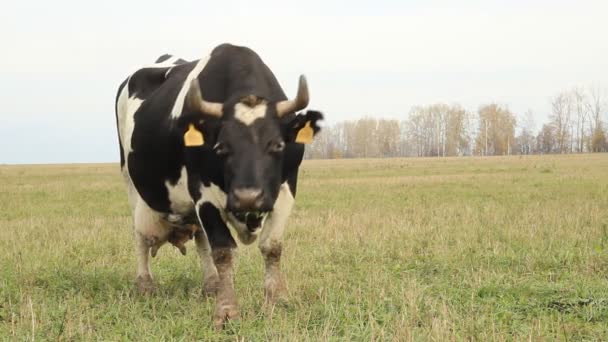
250	138
251	146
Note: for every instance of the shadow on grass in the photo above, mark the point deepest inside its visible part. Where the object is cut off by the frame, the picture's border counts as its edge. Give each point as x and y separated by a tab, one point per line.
101	283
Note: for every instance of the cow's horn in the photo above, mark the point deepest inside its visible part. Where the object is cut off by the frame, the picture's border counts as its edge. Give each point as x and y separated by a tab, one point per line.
195	100
300	102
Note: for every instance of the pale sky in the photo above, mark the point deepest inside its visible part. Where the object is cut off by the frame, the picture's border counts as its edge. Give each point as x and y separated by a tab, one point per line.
62	61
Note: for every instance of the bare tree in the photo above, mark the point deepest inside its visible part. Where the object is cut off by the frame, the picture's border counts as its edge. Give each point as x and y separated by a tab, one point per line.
598	139
525	141
496	130
457	133
578	98
561	112
388	134
545	140
577	124
595	106
420	131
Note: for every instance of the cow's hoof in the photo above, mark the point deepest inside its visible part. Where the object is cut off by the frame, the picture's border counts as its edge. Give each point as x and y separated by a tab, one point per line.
224	313
210	286
275	292
145	285
275	298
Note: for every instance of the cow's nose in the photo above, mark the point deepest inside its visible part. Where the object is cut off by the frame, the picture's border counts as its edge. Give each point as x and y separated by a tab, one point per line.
248	198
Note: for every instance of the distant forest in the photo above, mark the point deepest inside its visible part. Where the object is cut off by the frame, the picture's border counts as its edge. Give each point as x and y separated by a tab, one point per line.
576	125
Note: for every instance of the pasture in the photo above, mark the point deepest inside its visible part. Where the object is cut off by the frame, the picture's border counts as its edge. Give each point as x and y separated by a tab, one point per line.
499	248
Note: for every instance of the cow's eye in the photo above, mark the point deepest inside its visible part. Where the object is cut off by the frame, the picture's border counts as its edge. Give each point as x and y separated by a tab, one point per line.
276	146
221	149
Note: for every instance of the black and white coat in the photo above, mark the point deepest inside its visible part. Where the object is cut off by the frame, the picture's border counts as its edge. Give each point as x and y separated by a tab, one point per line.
249	135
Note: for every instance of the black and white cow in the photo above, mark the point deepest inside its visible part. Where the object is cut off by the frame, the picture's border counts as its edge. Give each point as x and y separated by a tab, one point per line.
207	145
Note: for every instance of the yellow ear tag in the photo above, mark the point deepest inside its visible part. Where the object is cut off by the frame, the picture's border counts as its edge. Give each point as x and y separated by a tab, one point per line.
193	137
305	134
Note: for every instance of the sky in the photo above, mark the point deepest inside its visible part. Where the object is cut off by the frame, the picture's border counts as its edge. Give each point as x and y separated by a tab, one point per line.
62	61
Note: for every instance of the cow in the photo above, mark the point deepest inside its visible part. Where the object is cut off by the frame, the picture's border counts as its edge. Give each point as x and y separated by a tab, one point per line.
206	146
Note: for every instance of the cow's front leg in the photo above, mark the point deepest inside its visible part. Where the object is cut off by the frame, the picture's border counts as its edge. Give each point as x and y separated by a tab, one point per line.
210	275
222	249
271	245
226	306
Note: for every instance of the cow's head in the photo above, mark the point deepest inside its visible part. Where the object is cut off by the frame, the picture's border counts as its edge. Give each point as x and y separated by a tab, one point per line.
250	137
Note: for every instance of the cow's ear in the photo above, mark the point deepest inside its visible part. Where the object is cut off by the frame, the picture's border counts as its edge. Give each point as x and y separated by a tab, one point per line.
304	127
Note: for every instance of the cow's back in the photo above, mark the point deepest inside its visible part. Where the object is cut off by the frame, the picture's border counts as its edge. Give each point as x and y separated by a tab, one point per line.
151	155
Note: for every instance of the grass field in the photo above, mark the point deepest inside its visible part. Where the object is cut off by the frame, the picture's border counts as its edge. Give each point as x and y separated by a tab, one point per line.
503	248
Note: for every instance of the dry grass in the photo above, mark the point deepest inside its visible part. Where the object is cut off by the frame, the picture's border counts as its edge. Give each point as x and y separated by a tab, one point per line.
409	249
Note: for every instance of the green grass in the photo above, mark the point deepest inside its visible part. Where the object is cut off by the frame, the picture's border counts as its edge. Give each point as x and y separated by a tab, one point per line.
503	248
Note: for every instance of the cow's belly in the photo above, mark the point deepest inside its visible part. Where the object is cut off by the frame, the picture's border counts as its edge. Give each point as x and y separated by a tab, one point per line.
150	224
169	202
158	227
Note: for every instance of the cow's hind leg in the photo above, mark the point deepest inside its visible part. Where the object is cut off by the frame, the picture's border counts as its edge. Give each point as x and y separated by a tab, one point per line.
143	281
222	250
271	245
150	233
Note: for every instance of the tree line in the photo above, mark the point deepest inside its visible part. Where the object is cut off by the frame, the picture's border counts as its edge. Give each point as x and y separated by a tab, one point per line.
576	125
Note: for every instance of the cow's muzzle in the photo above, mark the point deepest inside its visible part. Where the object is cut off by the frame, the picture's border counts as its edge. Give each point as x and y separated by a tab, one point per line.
252	219
246	200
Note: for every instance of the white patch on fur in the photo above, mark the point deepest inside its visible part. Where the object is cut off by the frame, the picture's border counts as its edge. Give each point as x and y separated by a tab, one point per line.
248	115
180	199
178	106
166	63
214	195
170	61
150	229
126	108
273	228
128	123
149	222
